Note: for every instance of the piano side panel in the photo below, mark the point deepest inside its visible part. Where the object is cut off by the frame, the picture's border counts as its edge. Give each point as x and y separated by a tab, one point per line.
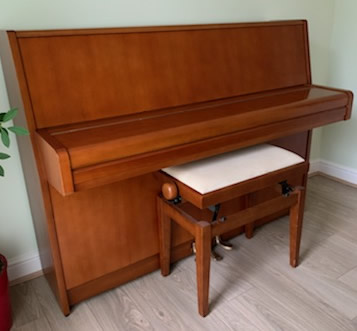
75	78
35	177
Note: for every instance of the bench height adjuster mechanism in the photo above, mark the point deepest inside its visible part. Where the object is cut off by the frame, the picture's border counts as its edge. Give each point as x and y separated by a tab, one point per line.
218	240
286	189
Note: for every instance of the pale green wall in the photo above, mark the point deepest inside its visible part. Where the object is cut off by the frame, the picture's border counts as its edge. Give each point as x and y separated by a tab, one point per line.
16	233
339	141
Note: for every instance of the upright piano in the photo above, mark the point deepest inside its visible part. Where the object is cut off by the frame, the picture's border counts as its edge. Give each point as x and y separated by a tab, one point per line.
108	108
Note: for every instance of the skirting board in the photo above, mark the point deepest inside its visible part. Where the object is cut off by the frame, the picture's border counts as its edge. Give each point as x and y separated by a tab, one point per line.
341	173
24	266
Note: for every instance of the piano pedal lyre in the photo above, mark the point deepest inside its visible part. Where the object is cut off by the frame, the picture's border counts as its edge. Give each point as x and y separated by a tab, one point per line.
223	243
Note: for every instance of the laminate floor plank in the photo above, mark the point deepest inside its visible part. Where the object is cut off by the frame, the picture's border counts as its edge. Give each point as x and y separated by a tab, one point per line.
354	322
332	190
171	302
25	306
116	311
280	283
350	279
332	256
274	254
253	288
265	313
276	281
80	319
40	324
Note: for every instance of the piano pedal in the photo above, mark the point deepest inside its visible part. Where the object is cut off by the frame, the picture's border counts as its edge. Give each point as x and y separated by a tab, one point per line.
194	248
214	255
223	243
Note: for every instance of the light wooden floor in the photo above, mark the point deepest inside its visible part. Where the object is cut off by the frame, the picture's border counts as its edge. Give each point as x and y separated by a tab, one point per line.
253	288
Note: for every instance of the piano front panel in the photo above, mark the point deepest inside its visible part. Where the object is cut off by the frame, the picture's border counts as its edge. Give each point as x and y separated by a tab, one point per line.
84	76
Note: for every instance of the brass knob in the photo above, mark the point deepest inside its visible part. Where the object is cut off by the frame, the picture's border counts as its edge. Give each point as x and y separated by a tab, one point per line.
169	191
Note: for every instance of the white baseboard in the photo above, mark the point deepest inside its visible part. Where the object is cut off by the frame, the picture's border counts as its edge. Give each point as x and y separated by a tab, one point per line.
23	265
343	173
314	166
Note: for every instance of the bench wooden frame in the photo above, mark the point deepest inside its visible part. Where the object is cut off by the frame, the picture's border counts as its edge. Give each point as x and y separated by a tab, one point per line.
204	230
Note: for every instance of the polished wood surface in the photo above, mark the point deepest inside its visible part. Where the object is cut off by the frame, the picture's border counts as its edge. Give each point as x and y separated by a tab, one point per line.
109	172
147	70
169	191
94	144
80	100
94	224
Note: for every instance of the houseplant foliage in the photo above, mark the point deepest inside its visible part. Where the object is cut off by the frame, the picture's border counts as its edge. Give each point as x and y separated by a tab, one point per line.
5	136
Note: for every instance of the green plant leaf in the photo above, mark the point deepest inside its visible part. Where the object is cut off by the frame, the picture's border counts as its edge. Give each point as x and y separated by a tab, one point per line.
18	130
2	116
4	156
5	137
10	115
2	172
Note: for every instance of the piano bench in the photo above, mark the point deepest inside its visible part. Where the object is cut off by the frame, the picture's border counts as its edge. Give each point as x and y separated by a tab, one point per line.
199	185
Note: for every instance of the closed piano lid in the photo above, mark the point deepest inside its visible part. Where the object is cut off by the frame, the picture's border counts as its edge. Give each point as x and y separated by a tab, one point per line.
214	173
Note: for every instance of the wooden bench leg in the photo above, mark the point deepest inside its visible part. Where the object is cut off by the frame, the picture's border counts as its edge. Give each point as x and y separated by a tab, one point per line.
164	238
296	218
248	228
203	260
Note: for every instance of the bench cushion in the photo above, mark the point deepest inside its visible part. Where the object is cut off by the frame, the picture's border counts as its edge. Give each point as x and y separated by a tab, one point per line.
227	169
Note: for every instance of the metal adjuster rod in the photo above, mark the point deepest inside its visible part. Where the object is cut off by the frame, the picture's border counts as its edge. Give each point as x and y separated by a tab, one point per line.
218	240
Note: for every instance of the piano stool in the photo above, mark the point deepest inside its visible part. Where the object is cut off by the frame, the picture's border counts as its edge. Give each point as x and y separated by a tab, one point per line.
210	182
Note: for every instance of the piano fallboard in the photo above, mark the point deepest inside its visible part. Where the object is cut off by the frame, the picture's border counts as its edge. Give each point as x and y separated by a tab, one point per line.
94	153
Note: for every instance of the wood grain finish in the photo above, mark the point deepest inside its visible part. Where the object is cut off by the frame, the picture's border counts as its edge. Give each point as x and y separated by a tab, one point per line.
193	80
108	80
56	159
109	172
94	224
96	145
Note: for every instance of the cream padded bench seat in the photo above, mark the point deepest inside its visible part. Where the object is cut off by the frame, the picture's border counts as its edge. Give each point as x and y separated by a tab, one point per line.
227	169
221	178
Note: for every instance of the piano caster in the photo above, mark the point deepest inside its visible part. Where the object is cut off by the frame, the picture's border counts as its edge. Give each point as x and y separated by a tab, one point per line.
214	255
223	243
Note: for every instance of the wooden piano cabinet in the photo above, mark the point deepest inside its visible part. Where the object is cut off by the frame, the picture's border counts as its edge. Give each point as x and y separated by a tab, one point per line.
108	108
108	228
